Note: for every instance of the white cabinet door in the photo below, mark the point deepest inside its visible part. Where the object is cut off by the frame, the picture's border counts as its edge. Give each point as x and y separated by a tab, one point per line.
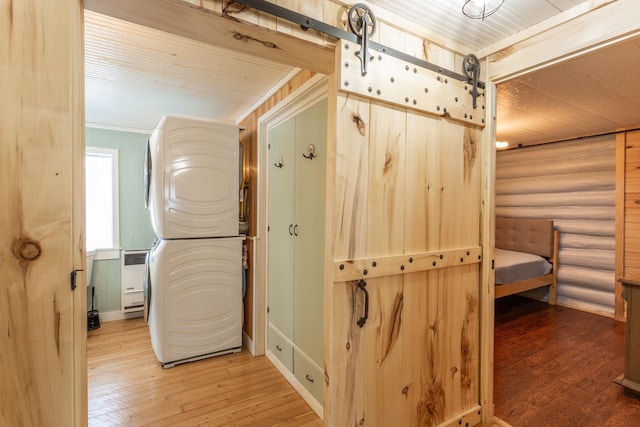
281	224
311	129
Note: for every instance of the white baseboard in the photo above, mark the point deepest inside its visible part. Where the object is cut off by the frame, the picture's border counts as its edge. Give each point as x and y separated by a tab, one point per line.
248	343
302	391
110	316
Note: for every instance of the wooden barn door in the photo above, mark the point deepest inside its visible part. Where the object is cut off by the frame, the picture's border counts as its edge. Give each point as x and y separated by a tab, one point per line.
43	321
405	213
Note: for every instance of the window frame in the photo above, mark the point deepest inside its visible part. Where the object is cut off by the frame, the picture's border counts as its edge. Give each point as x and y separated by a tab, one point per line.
113	153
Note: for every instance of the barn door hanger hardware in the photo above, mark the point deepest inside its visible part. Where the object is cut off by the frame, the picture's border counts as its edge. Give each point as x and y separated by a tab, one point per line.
363	24
471	67
307	23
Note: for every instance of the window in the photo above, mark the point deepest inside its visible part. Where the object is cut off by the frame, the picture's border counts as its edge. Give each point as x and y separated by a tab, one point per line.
101	188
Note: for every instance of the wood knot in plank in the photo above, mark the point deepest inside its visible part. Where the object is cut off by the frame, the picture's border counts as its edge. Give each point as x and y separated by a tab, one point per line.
431	407
26	249
246	38
234	7
359	123
388	162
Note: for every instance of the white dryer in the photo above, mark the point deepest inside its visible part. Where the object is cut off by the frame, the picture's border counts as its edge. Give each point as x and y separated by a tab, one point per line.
192	178
194	298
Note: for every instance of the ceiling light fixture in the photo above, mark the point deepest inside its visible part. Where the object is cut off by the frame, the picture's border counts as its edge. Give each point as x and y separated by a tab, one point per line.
480	9
501	144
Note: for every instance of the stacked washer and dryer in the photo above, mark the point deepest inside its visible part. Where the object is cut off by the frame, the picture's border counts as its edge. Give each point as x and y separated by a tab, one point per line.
193	281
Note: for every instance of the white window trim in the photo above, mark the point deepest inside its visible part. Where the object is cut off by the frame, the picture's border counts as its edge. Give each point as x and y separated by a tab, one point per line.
111	253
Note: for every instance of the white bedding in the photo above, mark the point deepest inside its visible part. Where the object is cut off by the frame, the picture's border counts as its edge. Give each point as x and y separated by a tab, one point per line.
514	266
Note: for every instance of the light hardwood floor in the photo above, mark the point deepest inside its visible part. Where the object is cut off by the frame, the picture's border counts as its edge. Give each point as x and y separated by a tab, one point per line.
128	387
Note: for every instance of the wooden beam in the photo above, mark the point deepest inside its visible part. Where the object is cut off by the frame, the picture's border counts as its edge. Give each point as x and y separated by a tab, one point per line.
525	285
619	310
604	24
208	26
382	266
487	236
546	25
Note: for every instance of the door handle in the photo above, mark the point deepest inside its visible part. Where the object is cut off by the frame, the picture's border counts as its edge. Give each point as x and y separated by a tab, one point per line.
290	229
295	230
362	286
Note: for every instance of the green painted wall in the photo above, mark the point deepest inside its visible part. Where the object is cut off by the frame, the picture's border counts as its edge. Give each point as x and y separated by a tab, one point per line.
135	225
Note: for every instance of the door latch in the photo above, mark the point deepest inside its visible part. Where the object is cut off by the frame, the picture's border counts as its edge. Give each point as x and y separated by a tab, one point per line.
74	274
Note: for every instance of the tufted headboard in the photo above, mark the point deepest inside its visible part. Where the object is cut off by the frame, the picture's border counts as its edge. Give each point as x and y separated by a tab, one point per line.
534	236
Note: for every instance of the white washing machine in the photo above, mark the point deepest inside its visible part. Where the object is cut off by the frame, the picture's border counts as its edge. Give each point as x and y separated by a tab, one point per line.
193	298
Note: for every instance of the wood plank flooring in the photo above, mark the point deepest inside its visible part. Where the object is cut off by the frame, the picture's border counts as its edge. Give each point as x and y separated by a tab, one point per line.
555	366
128	387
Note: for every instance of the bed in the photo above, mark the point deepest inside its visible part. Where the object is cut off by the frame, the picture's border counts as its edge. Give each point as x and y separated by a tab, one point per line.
526	256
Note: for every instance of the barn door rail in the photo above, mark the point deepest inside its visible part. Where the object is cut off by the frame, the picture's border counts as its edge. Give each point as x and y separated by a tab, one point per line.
368	268
307	23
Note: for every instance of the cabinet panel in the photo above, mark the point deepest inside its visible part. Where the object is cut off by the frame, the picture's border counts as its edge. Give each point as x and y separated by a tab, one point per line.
133	301
280	347
309	375
311	128
281	223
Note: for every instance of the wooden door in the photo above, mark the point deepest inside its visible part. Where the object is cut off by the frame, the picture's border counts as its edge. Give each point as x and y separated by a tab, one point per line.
281	226
310	194
406	190
43	321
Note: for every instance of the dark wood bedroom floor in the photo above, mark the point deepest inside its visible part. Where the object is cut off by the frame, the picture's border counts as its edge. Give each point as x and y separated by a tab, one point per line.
555	366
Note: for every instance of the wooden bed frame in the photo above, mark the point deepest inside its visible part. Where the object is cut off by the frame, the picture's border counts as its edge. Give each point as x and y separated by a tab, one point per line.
536	236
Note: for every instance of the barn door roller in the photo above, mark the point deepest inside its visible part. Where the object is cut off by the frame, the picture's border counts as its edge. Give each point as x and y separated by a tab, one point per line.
363	24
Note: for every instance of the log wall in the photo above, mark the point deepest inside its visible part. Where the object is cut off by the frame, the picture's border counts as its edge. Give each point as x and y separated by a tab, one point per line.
572	183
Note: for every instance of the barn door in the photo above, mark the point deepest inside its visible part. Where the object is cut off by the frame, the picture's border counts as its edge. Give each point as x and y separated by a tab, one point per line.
402	328
43	321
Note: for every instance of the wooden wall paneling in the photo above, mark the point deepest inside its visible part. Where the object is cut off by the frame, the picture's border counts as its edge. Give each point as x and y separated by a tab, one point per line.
43	380
628	214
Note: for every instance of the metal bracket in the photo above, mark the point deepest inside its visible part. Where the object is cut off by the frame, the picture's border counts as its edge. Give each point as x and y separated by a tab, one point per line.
398	82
